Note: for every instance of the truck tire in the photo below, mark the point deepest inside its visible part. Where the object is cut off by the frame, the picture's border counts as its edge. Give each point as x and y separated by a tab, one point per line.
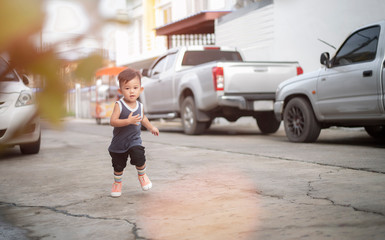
377	132
300	122
267	123
191	126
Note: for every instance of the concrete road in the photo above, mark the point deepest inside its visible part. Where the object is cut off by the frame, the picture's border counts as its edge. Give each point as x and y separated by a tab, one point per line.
231	183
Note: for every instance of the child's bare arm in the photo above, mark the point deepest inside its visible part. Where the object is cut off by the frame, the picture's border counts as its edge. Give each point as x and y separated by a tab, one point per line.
146	123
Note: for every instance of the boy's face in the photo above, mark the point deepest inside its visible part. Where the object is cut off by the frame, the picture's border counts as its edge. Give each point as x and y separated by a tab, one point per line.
131	90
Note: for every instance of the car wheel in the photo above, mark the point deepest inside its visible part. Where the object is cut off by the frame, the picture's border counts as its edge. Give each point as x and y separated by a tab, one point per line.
377	132
267	123
300	122
190	122
31	148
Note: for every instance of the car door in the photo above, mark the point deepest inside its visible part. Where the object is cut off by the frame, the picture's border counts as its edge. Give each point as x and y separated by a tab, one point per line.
167	84
152	86
159	90
349	88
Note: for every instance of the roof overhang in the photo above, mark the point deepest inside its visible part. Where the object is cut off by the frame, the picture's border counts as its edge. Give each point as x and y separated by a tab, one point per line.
202	22
109	71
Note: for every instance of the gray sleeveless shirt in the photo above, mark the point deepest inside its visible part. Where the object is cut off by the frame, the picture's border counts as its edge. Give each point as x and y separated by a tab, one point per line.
128	136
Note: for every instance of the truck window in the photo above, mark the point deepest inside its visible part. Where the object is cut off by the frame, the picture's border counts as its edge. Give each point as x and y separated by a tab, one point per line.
192	58
159	67
359	47
170	61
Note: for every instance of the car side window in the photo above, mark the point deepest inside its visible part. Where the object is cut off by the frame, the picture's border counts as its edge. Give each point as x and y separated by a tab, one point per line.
170	61
6	74
159	67
359	47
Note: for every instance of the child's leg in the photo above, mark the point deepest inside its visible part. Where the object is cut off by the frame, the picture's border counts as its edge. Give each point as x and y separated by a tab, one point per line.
119	161
118	177
117	186
139	160
143	178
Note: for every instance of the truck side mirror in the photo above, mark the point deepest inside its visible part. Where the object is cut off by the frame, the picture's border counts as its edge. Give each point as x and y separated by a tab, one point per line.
325	59
144	72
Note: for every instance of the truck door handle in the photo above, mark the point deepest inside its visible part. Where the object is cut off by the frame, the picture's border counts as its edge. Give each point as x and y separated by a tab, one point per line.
367	73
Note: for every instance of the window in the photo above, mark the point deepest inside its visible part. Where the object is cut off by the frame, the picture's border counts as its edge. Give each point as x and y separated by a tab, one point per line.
170	61
164	64
359	47
167	15
6	74
192	58
159	67
163	11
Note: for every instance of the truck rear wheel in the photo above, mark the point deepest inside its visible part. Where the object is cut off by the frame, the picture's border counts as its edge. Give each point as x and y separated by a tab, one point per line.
300	122
267	123
191	126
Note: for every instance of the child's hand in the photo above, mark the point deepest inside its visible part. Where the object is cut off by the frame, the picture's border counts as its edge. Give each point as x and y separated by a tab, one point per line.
134	119
155	131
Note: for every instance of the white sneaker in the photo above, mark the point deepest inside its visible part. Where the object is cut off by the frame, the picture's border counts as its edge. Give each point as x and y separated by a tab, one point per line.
145	182
116	190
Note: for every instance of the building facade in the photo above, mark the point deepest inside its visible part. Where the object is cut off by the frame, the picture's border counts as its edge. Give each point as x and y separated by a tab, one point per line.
138	44
295	30
264	30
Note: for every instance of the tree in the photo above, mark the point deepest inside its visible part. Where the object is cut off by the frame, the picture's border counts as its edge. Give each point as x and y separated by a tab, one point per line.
20	37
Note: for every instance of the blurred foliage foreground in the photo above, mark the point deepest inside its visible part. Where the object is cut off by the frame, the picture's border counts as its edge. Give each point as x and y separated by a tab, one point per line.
21	29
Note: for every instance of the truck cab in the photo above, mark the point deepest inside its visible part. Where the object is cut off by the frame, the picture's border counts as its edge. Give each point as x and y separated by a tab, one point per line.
347	91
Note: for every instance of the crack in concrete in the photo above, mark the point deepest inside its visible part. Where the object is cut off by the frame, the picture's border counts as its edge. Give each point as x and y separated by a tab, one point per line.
56	209
309	194
309	182
334	203
279	197
273	157
351	225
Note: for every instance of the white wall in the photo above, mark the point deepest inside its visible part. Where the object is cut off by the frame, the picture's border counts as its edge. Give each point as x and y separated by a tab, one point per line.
288	30
253	32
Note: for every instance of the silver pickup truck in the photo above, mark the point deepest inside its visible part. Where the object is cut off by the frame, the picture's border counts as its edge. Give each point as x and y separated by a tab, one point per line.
348	91
200	83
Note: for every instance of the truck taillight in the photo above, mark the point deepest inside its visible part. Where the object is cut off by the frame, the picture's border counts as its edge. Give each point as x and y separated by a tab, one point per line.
299	71
219	80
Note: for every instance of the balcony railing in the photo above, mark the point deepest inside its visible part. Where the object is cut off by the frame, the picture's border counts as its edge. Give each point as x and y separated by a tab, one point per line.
191	39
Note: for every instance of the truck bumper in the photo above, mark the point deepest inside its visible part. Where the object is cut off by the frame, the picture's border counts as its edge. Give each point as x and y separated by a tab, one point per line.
278	108
232	101
243	104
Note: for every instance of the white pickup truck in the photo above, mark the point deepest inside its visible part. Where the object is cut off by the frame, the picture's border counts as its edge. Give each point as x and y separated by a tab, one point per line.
200	83
348	91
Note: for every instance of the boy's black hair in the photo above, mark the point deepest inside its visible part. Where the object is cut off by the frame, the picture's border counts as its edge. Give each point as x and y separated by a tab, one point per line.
127	75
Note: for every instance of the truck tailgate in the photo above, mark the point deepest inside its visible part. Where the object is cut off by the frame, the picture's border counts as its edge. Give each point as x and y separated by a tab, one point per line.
256	77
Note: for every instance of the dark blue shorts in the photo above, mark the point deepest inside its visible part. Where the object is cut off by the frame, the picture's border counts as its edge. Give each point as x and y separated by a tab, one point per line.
137	158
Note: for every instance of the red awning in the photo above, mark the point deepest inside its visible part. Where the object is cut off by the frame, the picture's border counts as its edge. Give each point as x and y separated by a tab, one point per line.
109	71
202	22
